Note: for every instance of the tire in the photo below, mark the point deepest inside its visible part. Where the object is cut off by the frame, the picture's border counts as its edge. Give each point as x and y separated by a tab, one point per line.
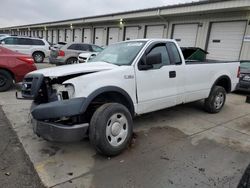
216	100
111	129
245	180
71	60
38	57
6	80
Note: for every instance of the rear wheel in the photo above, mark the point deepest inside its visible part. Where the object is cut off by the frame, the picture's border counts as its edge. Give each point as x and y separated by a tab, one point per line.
111	129
216	100
71	60
6	80
38	57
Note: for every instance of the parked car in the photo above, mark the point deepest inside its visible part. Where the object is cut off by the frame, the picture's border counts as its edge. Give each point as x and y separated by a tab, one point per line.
68	54
35	47
3	35
244	83
100	98
58	45
13	67
86	56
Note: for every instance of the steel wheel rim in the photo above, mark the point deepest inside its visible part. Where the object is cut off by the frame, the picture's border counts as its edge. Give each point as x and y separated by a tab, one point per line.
219	100
117	129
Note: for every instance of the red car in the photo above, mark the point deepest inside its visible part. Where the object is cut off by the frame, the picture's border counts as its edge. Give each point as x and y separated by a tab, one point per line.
13	67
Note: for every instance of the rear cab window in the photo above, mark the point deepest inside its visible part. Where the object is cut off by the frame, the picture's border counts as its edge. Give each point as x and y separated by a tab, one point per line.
174	53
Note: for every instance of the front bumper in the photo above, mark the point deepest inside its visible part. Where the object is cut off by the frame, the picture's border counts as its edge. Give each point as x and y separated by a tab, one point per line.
59	109
46	126
58	132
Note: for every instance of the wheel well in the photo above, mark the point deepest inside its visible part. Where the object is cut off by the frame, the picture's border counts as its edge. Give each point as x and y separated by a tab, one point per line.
225	82
11	73
108	97
38	52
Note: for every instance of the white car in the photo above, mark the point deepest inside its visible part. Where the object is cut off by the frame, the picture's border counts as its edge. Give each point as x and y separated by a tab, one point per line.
99	99
86	56
35	47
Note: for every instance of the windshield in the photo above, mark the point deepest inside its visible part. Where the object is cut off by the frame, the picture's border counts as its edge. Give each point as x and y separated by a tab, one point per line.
245	65
120	53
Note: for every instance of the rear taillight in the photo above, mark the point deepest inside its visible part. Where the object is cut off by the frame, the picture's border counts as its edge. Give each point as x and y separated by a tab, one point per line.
238	73
28	60
61	53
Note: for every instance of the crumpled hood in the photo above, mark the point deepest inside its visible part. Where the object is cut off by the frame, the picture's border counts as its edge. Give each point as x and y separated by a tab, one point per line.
74	69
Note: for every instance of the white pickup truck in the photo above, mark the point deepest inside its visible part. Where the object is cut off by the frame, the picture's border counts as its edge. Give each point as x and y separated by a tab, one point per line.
100	98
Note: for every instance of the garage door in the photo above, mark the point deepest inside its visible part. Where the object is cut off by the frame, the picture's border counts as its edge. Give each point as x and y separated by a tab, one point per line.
131	33
113	35
185	34
55	36
155	31
61	35
99	36
78	35
225	40
49	35
45	34
87	36
68	35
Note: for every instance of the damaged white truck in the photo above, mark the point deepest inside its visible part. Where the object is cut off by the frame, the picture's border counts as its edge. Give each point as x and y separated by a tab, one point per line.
99	99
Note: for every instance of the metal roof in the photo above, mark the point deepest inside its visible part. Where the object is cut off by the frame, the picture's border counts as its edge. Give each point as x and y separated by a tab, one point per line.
165	10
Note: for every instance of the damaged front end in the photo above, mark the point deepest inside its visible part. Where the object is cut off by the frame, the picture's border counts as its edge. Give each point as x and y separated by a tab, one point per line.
58	116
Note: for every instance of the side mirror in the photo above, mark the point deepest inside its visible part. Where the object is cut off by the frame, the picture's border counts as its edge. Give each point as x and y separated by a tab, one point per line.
149	60
153	59
2	42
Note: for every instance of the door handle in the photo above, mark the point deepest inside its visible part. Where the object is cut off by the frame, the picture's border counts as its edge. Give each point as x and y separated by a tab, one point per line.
172	74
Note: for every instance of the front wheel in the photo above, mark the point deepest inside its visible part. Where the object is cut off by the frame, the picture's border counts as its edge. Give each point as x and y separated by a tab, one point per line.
216	100
111	129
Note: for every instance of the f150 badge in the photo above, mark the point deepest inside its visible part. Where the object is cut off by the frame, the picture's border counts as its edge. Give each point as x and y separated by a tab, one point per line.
129	76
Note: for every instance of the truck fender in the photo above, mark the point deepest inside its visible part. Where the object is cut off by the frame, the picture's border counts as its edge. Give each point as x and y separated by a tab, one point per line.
101	90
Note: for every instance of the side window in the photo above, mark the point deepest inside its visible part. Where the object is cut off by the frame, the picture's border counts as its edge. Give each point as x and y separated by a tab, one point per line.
73	47
38	42
24	41
164	56
84	47
96	48
10	41
175	55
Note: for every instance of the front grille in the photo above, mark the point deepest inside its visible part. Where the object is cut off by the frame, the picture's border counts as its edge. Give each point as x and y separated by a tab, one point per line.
31	85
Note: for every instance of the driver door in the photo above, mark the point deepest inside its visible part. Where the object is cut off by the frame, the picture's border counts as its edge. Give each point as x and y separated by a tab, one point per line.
156	86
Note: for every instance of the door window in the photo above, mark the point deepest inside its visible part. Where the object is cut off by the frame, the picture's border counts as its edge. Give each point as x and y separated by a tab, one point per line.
83	47
10	41
164	56
24	41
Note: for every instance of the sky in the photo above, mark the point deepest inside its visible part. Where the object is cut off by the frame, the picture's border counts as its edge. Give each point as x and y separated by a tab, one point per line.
21	12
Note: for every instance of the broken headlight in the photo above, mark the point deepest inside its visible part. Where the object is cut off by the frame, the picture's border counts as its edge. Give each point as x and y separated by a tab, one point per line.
64	91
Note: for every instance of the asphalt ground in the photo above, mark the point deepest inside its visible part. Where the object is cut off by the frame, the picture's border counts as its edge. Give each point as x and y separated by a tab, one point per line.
181	146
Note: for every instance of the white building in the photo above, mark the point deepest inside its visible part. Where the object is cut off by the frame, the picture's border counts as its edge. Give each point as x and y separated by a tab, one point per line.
222	27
